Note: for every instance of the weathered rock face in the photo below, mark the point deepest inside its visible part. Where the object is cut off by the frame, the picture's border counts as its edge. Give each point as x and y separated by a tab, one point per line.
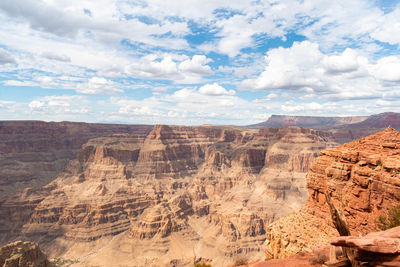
177	194
23	254
363	178
32	153
307	121
375	249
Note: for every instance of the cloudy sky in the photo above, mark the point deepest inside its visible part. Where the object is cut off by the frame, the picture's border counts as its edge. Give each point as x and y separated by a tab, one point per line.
197	61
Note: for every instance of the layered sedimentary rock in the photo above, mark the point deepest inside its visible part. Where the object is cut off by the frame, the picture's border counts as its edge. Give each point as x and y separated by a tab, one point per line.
175	196
32	153
307	121
23	254
374	249
362	178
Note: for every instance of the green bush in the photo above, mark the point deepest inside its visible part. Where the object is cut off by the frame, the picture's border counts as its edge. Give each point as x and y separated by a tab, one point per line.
391	220
202	264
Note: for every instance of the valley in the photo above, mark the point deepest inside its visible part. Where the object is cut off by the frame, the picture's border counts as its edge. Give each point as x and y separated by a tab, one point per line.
176	195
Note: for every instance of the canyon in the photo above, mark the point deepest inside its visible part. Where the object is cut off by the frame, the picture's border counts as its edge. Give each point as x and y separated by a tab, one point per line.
138	195
32	153
174	196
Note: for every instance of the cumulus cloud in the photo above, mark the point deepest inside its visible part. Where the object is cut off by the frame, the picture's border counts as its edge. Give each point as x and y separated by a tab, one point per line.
196	65
289	68
388	28
36	105
387	69
98	85
55	56
346	62
163	47
42	16
304	69
59	105
150	66
5	57
179	69
189	106
215	90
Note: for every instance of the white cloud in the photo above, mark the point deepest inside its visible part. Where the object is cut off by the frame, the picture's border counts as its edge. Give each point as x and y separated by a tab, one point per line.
59	107
36	105
271	96
346	62
19	83
289	68
5	57
189	106
150	66
116	46
196	65
387	69
388	28
305	70
55	56
215	90
98	85
179	69
292	108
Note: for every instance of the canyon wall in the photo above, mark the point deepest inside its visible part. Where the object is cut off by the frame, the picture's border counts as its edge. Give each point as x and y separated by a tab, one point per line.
33	153
175	196
362	178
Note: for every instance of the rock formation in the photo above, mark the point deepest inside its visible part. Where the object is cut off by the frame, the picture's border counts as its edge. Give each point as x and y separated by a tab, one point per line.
172	197
23	254
307	121
362	178
33	153
374	249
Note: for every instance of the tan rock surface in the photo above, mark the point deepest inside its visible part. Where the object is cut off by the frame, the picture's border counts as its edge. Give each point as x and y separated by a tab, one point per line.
173	197
23	254
33	153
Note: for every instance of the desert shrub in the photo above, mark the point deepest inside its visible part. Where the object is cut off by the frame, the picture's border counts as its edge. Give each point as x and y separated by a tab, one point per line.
391	220
319	257
240	261
202	264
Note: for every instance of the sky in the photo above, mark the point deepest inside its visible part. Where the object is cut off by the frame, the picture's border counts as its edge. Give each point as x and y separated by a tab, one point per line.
192	62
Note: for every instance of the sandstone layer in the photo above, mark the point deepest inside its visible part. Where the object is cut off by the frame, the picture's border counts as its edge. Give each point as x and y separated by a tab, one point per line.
363	179
173	197
23	254
374	249
33	153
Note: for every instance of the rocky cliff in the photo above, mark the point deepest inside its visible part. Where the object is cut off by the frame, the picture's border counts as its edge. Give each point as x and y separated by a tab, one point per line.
33	153
363	179
23	254
374	249
174	196
307	121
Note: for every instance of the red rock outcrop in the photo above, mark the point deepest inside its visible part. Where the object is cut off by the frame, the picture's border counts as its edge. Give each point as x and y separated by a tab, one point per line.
363	179
374	249
23	254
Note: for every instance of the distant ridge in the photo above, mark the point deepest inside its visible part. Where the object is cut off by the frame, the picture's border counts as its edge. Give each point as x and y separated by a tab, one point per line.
382	120
308	121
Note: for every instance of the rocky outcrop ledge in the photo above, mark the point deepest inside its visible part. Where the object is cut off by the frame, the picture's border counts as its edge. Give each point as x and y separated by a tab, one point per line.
23	254
376	249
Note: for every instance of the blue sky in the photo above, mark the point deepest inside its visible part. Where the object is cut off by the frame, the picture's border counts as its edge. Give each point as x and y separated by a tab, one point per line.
193	62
